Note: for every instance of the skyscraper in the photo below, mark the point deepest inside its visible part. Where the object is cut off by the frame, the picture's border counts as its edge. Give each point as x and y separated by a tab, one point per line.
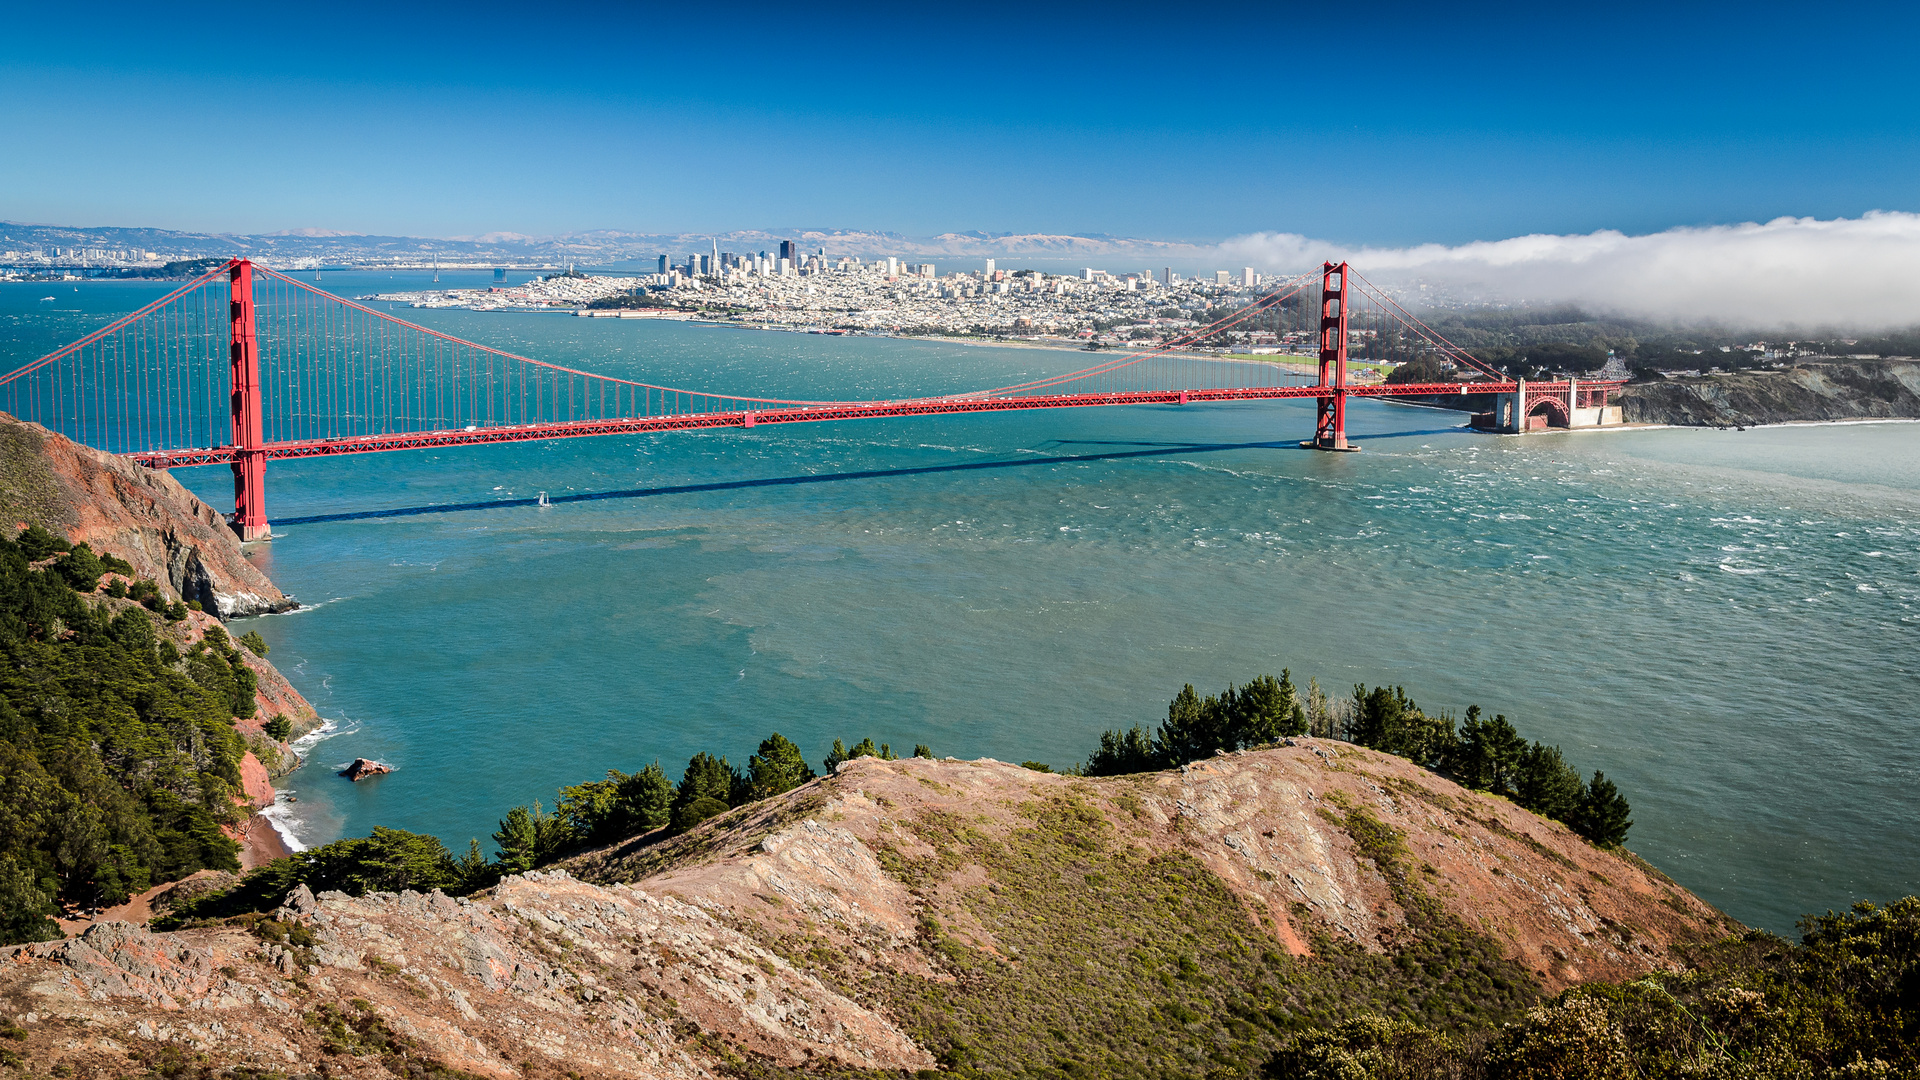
790	251
663	264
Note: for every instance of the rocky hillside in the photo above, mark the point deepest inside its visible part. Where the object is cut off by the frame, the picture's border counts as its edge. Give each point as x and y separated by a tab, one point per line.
975	917
139	514
1840	390
167	534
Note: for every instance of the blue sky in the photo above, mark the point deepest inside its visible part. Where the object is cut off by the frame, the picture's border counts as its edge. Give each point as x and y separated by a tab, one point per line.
1380	124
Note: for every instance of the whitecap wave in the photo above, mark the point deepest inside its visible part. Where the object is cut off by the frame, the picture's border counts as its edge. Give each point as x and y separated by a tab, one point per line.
327	730
280	815
1731	569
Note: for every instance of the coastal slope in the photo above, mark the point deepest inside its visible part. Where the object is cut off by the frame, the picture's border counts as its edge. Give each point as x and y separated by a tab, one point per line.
1839	390
907	915
142	515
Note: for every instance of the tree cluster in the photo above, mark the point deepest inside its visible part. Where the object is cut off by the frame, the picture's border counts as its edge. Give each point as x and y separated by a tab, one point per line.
1486	755
1491	756
1265	710
119	762
645	804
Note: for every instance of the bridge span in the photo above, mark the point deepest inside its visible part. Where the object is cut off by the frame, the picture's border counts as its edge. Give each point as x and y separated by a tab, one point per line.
260	367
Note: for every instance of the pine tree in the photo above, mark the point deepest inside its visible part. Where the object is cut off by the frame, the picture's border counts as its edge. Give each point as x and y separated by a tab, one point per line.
518	839
778	767
471	871
1487	753
1265	711
1294	719
1545	784
834	758
644	800
707	777
1602	816
1183	737
1121	753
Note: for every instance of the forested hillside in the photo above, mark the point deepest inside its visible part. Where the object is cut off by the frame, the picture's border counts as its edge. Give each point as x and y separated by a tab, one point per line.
119	761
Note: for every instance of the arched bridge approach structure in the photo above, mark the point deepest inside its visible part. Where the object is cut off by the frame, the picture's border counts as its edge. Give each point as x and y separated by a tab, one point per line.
244	365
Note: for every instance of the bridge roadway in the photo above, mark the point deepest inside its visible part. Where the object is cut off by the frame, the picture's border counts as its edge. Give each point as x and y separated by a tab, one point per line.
793	414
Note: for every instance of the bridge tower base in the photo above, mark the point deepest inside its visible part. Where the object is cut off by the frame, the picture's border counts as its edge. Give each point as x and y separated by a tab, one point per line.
250	464
1330	428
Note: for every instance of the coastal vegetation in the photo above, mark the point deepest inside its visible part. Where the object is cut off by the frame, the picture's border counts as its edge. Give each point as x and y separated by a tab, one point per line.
1839	1003
1484	755
119	761
1115	960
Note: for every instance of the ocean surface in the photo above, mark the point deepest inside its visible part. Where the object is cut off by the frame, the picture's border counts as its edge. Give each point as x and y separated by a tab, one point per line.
1724	622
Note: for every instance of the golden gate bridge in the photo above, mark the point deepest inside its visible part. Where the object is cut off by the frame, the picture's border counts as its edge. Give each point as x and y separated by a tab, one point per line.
245	365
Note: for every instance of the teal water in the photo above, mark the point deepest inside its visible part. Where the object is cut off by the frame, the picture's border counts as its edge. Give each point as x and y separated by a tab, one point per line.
1722	621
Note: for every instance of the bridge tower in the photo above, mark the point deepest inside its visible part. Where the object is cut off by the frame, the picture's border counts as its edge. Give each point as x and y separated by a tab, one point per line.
1330	430
250	459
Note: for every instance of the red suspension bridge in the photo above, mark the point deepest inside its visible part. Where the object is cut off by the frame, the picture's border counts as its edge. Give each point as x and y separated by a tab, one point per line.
260	367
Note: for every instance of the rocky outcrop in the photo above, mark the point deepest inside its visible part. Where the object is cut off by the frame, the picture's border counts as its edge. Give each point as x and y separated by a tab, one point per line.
1837	390
363	768
545	973
142	515
1270	824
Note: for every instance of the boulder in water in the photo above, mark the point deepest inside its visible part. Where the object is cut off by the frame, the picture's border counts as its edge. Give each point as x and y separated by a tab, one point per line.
363	768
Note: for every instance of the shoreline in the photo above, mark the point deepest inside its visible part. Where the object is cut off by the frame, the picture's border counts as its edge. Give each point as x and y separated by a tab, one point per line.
261	842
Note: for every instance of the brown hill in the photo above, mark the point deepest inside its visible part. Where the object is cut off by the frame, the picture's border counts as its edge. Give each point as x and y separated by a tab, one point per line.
902	913
140	514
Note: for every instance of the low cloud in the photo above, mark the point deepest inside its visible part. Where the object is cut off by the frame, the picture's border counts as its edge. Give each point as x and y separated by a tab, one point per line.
1851	273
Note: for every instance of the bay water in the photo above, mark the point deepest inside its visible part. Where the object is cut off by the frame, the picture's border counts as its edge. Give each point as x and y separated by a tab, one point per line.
1724	622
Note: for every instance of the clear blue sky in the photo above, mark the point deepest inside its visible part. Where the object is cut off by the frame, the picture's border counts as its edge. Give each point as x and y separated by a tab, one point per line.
1393	124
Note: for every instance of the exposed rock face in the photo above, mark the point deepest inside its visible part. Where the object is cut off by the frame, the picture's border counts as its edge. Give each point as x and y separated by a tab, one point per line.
596	981
139	514
699	948
363	768
1567	911
1840	390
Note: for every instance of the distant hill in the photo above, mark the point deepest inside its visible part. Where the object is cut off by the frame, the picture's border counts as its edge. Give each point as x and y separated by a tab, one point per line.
601	246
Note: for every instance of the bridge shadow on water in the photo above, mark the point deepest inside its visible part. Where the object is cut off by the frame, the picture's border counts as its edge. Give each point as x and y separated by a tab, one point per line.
1150	449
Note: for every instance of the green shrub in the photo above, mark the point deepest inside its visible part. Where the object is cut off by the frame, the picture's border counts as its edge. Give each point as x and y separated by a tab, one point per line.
690	814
